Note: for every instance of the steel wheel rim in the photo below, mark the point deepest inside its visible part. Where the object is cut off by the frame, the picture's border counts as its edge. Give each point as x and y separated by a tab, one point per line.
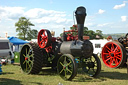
42	38
112	54
65	67
89	66
26	59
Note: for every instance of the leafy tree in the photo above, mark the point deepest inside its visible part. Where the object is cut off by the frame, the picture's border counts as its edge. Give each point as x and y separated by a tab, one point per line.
23	27
85	31
32	34
91	34
99	33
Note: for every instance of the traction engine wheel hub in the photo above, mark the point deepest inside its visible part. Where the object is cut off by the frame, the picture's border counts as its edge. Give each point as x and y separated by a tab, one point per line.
26	58
111	54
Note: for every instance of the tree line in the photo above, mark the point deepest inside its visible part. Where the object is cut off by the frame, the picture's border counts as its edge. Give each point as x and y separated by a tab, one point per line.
92	34
23	27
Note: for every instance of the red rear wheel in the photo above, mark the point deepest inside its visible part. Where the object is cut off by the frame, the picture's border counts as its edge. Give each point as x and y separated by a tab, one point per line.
44	38
113	54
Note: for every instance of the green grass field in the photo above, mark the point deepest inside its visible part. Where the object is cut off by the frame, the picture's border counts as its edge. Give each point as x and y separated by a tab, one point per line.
12	75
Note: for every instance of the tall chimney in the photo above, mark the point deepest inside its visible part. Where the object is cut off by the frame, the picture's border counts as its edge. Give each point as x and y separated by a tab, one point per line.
80	17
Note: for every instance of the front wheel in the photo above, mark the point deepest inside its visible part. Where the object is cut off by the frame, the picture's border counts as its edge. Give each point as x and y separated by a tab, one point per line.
66	67
92	65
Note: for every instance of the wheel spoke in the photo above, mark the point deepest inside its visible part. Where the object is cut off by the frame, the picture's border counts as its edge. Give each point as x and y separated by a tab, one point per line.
26	66
29	51
69	63
44	33
44	43
118	50
62	70
65	60
88	70
91	59
42	36
118	53
112	47
92	69
111	61
29	65
116	61
24	55
118	58
61	64
108	56
115	49
31	62
95	62
24	62
26	51
41	41
45	38
65	74
109	50
69	70
107	59
31	55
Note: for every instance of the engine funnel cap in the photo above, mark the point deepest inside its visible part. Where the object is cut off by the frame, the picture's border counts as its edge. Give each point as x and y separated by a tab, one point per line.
80	14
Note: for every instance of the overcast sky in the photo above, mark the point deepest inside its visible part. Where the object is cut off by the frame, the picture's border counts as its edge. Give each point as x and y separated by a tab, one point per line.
110	16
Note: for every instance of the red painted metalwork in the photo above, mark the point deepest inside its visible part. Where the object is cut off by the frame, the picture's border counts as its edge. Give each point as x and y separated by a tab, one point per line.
86	37
42	38
112	54
26	58
48	49
53	39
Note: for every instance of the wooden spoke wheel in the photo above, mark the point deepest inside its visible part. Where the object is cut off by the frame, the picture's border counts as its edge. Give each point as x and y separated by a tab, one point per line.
66	67
92	65
113	54
44	38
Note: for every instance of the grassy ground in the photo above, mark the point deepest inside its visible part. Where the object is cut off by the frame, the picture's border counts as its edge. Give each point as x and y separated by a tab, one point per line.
12	75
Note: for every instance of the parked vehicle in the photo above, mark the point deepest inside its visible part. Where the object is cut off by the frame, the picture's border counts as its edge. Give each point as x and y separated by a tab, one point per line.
6	54
115	53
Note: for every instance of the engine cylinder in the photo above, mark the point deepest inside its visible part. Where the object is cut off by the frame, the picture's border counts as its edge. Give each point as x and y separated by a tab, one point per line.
77	48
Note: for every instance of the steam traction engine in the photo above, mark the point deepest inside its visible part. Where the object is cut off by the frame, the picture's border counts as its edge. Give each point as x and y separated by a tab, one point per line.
64	54
115	53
